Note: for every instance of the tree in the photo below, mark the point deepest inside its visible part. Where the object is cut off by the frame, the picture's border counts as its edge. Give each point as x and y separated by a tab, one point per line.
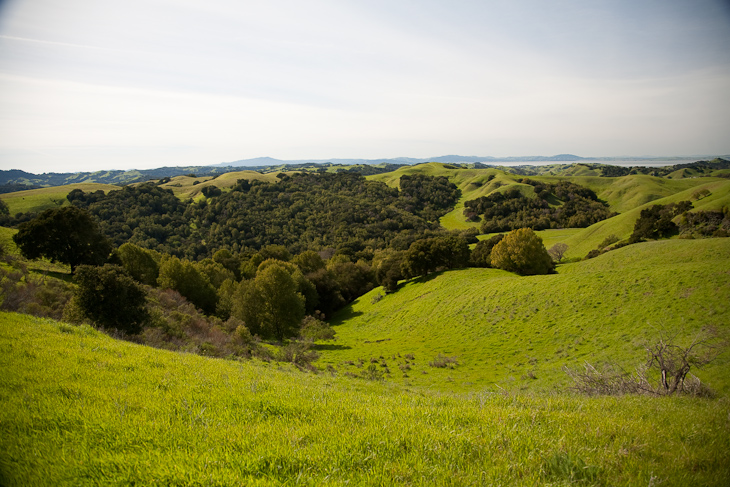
68	235
557	251
109	296
522	251
481	255
430	254
139	263
270	304
184	277
656	221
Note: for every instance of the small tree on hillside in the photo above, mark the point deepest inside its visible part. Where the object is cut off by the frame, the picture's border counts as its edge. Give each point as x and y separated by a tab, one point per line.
270	304
557	251
522	251
109	297
68	235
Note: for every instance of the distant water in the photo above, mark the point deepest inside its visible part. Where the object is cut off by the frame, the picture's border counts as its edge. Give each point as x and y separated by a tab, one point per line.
612	162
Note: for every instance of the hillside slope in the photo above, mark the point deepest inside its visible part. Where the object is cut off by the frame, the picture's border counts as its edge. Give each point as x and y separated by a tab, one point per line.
41	199
79	408
505	330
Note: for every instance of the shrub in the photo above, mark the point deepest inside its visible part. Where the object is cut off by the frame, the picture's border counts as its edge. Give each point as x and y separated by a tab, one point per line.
111	298
522	251
442	361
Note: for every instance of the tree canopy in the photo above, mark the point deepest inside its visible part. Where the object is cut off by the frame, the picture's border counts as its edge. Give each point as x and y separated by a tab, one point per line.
68	235
522	251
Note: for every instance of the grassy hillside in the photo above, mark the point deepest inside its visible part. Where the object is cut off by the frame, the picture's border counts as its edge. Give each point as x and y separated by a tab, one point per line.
516	332
79	408
622	225
186	187
621	193
44	198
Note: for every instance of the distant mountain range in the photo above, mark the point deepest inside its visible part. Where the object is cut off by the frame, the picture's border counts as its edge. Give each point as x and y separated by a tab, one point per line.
269	161
18	180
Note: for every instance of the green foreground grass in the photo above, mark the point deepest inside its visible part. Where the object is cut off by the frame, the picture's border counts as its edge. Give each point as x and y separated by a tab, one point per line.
80	408
507	331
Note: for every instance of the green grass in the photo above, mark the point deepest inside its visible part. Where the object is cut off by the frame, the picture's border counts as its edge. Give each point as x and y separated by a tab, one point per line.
6	240
79	408
185	187
505	329
44	198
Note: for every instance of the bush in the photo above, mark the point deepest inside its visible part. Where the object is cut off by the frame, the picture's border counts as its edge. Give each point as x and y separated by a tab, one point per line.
111	298
522	251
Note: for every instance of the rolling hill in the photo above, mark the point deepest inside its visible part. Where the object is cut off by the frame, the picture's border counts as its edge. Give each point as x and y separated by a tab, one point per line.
507	331
80	408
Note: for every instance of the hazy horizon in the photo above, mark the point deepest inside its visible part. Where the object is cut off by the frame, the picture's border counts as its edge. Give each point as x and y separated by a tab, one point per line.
93	84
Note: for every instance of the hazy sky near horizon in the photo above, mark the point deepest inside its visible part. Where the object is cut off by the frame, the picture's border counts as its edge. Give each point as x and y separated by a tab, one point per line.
102	84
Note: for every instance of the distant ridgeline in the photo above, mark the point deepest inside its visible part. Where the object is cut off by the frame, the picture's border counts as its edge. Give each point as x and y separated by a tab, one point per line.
17	180
301	211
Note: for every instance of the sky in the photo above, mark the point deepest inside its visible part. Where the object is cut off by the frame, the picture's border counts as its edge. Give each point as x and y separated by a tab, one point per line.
89	85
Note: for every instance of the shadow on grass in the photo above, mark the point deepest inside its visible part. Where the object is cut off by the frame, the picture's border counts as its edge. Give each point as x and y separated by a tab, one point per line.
344	314
330	346
64	276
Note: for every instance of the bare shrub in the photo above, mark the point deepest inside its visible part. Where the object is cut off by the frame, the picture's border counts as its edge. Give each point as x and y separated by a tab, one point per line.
442	361
557	251
665	372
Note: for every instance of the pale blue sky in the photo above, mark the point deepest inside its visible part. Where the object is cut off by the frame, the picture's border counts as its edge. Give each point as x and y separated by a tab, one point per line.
102	84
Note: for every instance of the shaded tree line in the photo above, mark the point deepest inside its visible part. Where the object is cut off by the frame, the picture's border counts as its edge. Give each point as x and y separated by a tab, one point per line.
560	205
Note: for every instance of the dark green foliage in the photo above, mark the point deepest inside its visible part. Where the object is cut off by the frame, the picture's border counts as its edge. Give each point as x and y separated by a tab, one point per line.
705	223
328	290
231	262
270	304
389	271
305	211
140	263
185	277
435	253
4	210
211	191
656	221
353	279
522	251
109	297
480	256
428	196
146	215
578	207
68	235
309	261
299	212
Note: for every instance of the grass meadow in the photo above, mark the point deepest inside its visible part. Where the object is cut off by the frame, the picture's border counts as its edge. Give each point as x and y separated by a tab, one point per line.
80	408
513	332
41	199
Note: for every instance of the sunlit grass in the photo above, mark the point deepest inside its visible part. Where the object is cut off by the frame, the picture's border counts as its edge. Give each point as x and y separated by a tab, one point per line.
519	332
79	408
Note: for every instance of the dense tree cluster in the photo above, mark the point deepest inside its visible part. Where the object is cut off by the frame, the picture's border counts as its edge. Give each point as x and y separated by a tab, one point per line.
427	196
146	215
656	221
705	223
303	211
561	205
